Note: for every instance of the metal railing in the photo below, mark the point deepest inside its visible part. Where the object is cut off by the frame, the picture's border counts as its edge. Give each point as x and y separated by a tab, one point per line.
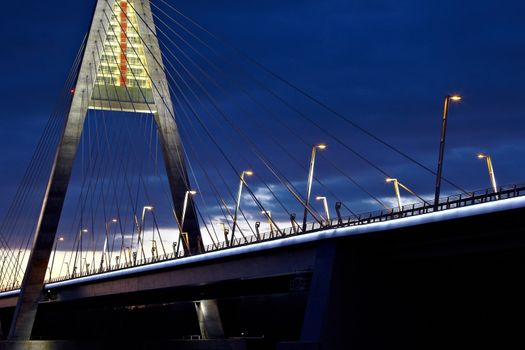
421	208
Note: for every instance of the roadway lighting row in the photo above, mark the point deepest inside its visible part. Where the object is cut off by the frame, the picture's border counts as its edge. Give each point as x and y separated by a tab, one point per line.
114	221
144	210
490	167
395	181
397	184
455	98
245	173
242	183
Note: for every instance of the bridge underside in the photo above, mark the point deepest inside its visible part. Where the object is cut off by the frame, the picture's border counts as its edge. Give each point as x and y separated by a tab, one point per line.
453	282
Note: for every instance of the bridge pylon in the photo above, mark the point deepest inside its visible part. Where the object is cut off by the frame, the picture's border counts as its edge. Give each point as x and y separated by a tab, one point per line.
122	49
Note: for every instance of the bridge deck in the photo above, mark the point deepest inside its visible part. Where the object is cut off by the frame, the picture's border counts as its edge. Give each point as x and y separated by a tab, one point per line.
450	208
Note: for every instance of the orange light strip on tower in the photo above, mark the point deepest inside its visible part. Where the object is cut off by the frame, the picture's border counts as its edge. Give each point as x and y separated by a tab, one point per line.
123	43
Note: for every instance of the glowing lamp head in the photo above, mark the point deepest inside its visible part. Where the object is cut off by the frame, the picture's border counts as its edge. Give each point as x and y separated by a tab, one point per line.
61	238
482	156
248	172
389	179
114	221
193	193
149	208
455	98
84	230
319	198
321	146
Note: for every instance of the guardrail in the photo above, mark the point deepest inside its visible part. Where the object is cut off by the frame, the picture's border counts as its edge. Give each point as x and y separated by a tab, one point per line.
421	208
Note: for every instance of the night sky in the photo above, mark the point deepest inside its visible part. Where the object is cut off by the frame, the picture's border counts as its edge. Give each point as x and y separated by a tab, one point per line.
385	64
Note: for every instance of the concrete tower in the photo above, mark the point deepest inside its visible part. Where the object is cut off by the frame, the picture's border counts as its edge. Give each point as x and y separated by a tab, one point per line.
123	49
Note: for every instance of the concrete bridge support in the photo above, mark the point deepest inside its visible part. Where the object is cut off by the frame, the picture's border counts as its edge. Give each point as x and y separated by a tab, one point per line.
209	318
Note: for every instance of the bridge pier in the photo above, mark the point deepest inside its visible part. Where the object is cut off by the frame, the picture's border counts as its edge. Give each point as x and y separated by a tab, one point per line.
323	323
209	318
319	296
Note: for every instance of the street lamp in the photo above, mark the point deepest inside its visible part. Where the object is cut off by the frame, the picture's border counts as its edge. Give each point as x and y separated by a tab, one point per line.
396	188
105	249
225	232
186	197
127	255
81	239
154	252
60	239
141	231
310	181
237	206
448	98
270	222
398	184
85	264
491	170
325	204
67	267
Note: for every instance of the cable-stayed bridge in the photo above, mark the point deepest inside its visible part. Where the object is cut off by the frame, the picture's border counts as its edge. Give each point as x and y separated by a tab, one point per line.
171	174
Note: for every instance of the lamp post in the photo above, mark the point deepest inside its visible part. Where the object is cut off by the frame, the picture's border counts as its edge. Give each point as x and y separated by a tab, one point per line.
448	98
186	197
67	267
398	184
81	239
491	170
238	204
85	264
105	248
127	256
310	181
270	222
154	252
141	231
225	232
60	239
325	204
396	189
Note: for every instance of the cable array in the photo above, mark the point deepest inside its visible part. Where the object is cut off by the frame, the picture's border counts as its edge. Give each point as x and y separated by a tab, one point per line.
246	136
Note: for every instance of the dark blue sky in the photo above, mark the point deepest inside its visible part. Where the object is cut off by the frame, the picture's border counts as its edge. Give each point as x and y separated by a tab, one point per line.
385	64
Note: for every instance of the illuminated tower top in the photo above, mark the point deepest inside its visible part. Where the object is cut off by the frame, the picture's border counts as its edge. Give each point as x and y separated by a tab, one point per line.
122	79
